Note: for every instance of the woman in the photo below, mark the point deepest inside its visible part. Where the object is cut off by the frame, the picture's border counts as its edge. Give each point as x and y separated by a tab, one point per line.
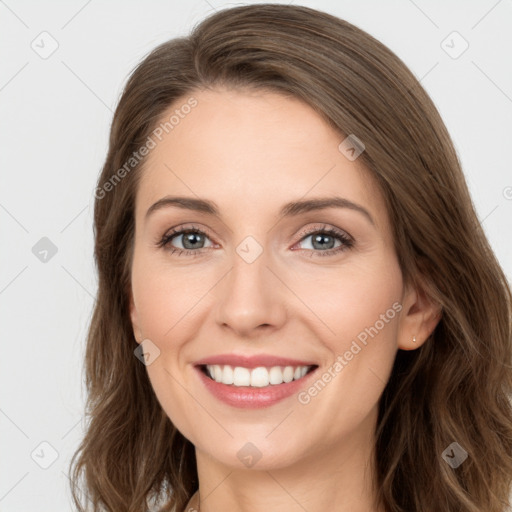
297	306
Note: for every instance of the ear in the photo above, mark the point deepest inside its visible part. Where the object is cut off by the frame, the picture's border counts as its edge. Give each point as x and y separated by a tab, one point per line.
135	320
419	318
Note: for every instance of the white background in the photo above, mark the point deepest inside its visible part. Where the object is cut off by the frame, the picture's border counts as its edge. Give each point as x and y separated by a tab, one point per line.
55	117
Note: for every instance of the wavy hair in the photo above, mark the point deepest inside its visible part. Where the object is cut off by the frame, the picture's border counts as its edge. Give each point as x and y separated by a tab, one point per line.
456	387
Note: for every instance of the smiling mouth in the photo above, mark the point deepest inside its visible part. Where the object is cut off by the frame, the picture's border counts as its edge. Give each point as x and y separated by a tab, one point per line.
259	377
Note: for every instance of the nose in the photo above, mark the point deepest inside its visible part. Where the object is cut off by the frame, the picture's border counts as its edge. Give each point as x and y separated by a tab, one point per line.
252	297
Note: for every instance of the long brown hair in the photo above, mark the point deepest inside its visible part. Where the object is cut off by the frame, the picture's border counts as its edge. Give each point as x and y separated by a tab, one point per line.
456	387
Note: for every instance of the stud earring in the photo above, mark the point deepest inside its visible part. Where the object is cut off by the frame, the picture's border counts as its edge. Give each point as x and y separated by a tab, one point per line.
414	339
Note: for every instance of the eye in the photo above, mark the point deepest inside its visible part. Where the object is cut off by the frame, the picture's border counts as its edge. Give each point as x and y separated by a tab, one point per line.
192	241
324	239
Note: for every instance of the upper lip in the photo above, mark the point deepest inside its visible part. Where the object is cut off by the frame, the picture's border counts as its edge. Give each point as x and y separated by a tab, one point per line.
254	361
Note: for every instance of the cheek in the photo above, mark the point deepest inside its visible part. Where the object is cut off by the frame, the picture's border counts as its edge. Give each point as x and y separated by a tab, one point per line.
359	314
165	297
350	302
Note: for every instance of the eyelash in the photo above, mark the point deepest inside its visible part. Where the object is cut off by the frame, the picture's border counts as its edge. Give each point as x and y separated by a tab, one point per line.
347	241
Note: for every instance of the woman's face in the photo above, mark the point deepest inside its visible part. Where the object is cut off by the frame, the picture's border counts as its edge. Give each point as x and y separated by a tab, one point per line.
258	278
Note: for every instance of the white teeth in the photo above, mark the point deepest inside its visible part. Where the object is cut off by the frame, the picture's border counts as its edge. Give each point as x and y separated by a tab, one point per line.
241	376
227	375
275	375
257	377
288	374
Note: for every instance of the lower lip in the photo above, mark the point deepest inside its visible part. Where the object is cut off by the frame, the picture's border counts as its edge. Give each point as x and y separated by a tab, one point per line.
247	397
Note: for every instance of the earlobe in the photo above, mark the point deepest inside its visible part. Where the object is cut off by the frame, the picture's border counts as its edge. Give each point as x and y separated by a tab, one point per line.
421	314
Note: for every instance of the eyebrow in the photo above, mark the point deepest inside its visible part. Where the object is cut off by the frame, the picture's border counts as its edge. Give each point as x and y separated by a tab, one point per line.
291	209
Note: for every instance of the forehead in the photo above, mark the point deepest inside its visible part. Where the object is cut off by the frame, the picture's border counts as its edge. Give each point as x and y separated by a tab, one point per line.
248	148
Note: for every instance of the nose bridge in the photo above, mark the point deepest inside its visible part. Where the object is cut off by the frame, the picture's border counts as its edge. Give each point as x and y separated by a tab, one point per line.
251	295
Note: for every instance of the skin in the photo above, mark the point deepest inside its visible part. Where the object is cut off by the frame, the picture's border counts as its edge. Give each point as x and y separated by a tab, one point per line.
250	153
